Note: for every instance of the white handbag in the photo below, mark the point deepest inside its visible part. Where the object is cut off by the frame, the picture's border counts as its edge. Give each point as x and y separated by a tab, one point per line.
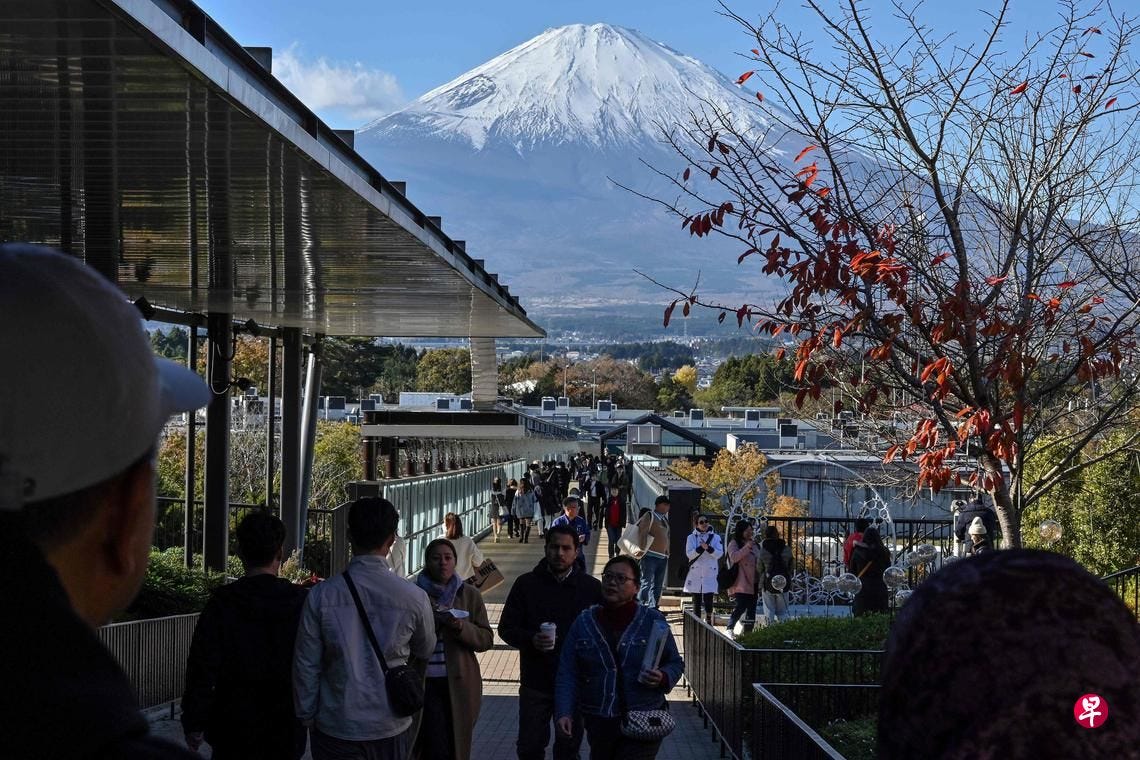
630	544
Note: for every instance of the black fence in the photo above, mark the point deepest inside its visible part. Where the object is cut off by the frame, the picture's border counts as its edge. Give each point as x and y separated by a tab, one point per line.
1126	585
721	672
778	732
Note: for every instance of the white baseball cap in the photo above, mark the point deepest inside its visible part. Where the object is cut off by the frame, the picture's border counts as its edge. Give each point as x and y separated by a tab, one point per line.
82	396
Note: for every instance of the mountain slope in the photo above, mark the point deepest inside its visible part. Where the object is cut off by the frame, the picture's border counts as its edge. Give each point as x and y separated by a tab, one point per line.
517	155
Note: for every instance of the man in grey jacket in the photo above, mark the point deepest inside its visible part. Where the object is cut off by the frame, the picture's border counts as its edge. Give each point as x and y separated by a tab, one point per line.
337	680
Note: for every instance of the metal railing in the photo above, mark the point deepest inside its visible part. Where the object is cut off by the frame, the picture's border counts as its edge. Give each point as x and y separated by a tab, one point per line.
777	731
423	501
1126	585
153	654
720	673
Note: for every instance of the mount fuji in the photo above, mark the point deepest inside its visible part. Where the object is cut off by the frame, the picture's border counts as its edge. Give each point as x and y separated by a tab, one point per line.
517	156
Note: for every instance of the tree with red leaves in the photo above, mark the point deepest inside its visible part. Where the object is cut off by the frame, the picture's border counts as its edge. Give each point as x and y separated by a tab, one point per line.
957	235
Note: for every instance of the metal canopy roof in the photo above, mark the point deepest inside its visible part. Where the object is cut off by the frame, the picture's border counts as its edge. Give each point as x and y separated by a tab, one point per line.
138	135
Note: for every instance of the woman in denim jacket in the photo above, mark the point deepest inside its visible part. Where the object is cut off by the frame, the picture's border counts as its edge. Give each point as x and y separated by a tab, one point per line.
602	638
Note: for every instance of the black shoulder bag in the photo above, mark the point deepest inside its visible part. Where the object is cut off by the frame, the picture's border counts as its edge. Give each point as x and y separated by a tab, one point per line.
405	686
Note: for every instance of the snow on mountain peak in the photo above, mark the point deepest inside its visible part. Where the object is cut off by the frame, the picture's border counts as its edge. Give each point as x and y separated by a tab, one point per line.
596	84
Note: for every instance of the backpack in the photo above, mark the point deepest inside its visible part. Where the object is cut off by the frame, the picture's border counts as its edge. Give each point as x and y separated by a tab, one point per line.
727	574
775	547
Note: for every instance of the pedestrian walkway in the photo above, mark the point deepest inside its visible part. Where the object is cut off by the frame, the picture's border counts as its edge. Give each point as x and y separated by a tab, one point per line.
497	729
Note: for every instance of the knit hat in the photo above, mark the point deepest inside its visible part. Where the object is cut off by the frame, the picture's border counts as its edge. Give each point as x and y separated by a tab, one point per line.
977	527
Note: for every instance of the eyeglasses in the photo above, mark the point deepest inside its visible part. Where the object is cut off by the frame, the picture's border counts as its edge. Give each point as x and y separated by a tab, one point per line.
702	522
617	578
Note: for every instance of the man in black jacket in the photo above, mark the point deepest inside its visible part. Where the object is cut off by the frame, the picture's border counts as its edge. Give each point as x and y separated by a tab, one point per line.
239	692
554	592
966	516
82	403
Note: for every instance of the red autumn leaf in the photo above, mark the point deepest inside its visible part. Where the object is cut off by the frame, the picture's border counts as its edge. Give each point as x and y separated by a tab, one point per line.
1033	296
715	171
837	338
1087	55
720	318
1077	89
824	192
685	176
744	77
760	96
1063	76
1097	300
804	152
669	312
996	280
1093	30
1067	284
940	258
779	355
686	309
1111	102
1020	88
891	452
755	51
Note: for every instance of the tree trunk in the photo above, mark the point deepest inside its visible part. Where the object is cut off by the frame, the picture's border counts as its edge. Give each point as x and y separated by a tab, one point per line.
1007	513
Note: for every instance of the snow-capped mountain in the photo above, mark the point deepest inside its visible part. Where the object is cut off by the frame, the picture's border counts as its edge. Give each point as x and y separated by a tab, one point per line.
517	153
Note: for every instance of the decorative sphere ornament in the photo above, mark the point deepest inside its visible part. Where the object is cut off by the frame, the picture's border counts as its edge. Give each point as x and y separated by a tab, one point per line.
849	583
1050	531
926	551
894	576
914	559
830	584
779	582
902	595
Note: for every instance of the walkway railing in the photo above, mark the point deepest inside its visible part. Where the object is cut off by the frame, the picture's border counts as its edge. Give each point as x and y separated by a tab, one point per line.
720	673
424	500
777	731
1126	585
153	654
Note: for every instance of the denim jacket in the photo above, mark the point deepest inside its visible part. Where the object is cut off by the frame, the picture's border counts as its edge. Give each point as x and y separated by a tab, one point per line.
587	673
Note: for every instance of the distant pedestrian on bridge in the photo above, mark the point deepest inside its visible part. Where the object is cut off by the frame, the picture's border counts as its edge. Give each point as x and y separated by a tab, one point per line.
655	526
554	592
468	556
83	403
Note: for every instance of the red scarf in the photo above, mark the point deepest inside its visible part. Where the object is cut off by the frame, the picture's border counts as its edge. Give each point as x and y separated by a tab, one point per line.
617	619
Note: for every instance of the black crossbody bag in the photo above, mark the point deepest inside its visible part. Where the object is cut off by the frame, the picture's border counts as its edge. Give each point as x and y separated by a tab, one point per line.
405	686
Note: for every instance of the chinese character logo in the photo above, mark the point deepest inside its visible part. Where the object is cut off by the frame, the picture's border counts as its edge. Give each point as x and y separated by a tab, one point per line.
1090	711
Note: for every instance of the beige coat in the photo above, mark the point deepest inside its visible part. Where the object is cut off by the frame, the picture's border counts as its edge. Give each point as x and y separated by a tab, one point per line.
464	681
656	530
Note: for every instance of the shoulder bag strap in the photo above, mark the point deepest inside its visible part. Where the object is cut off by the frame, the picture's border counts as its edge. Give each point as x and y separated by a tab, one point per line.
367	625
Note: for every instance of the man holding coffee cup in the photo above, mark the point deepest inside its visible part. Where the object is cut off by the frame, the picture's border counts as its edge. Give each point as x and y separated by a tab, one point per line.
550	595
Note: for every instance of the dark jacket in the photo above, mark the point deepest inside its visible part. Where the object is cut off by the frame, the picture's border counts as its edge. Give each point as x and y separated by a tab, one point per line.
538	597
872	596
64	696
239	686
967	515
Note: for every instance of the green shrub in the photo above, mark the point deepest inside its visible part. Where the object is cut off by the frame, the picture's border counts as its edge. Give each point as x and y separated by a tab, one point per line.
865	632
169	588
854	739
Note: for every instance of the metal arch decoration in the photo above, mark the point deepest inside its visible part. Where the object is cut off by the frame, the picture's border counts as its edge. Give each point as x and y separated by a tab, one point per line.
803	588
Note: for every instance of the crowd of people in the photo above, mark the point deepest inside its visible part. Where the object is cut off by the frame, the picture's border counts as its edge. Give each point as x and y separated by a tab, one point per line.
370	664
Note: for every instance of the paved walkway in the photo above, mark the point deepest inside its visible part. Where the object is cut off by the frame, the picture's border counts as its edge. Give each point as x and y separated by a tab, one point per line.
497	729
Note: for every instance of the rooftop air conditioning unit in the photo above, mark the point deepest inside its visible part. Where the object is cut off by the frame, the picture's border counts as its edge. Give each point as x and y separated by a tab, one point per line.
822	416
466	405
606	410
367	405
679	414
549	406
563	402
751	418
443	404
696	418
321	402
337	403
251	392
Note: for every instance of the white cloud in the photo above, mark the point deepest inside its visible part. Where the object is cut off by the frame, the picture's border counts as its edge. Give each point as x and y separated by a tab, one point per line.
334	89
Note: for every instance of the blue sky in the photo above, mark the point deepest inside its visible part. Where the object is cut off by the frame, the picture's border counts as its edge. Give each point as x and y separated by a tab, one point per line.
352	60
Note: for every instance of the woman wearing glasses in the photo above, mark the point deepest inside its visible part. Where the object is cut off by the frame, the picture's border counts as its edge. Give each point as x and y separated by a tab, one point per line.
604	673
704	550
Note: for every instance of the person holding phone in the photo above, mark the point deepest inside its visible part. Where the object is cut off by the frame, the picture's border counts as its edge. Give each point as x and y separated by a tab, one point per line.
704	549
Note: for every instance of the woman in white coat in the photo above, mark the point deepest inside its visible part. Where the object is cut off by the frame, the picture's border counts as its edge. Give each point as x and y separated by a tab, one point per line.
704	549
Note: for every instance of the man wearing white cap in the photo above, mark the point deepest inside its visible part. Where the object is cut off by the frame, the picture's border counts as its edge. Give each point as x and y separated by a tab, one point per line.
82	403
979	538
